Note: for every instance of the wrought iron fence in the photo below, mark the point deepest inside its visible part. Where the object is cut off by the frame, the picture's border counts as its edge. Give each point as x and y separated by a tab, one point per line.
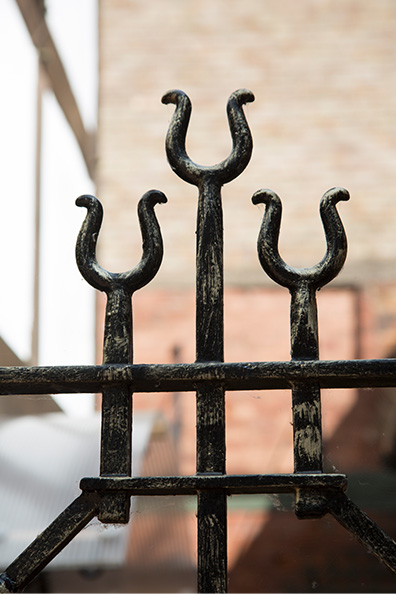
108	496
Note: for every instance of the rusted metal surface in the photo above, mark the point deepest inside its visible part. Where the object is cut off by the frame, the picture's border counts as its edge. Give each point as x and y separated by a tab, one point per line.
272	375
231	483
107	496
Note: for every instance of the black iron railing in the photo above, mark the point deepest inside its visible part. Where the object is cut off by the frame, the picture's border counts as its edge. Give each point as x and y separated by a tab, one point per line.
108	496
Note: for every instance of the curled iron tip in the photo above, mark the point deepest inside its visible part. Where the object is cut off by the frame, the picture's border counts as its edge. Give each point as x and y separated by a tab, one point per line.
265	196
267	246
151	258
242	143
335	195
175	96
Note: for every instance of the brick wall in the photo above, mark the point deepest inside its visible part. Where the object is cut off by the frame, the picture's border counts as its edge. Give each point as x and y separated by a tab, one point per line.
324	79
310	556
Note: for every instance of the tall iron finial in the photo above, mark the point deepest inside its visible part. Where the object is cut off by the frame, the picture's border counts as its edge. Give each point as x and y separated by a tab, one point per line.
116	446
209	305
303	284
322	273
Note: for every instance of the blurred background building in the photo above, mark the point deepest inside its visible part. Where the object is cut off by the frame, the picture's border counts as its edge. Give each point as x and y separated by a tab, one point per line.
325	115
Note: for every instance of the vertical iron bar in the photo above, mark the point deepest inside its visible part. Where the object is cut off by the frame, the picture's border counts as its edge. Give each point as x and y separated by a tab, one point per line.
116	432
210	328
212	507
307	421
212	541
303	284
306	399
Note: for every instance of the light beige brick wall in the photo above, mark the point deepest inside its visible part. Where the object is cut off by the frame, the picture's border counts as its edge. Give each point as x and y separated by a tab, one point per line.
325	114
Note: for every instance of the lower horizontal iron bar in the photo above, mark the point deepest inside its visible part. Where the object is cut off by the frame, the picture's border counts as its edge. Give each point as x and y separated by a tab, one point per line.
186	377
233	484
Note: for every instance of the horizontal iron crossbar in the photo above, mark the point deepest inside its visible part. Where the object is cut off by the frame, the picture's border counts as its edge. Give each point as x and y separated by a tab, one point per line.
277	375
231	484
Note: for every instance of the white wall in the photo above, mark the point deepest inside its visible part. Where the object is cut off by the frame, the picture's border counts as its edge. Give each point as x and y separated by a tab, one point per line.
18	75
66	331
66	300
74	28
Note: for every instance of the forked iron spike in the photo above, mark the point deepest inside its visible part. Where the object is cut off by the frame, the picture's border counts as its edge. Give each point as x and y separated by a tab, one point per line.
150	262
242	143
267	245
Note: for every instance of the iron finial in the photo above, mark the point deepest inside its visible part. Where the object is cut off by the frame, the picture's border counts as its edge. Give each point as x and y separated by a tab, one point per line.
267	245
151	259
242	143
